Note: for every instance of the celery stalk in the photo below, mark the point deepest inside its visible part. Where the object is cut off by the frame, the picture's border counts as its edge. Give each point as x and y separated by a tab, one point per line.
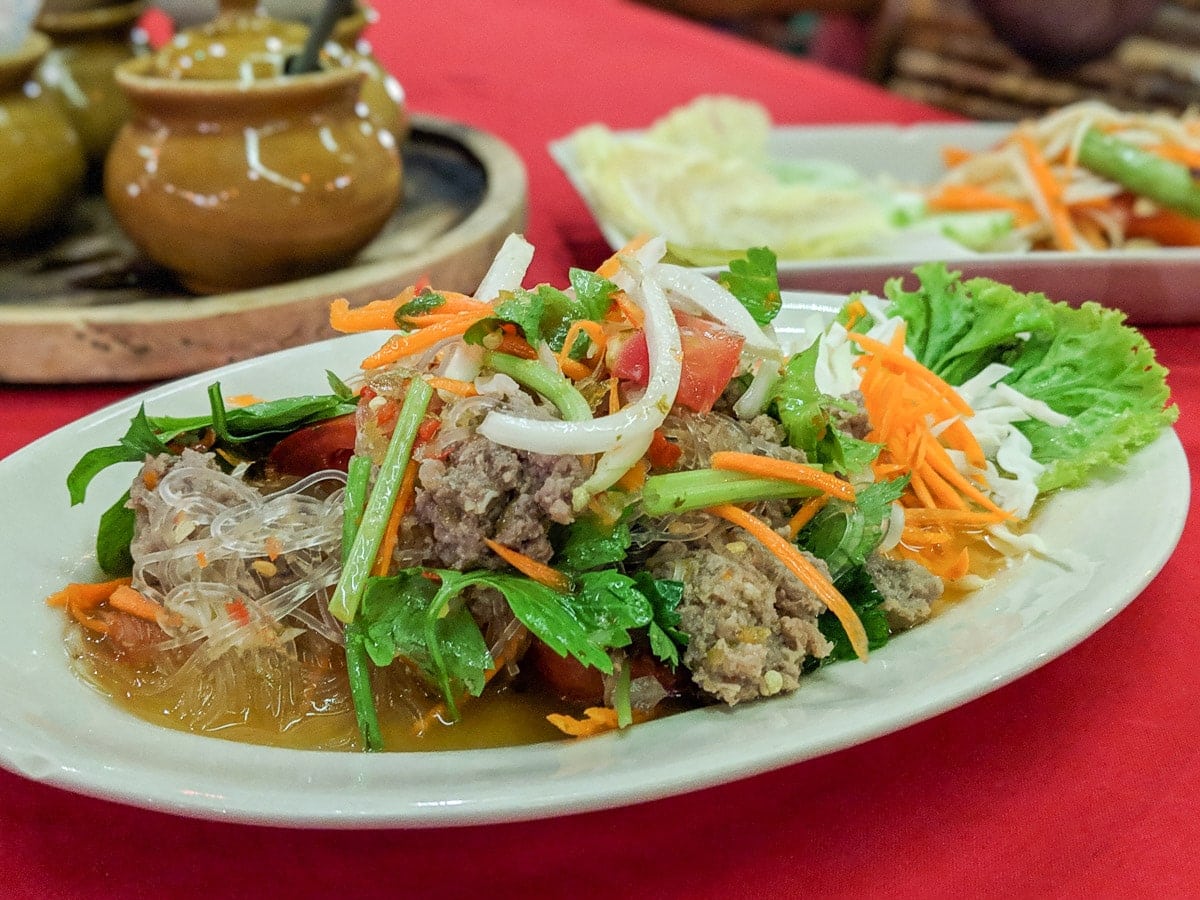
348	593
678	492
554	387
357	663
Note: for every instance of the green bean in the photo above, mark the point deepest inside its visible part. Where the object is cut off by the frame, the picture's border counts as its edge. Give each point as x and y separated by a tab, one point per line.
1161	180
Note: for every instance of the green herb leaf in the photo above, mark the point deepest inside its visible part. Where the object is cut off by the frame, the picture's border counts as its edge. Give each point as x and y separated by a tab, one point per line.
858	588
844	534
755	282
589	544
421	305
399	615
138	442
113	538
340	389
524	309
666	638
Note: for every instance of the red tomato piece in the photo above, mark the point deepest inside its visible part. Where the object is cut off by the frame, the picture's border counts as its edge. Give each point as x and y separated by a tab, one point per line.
710	357
322	445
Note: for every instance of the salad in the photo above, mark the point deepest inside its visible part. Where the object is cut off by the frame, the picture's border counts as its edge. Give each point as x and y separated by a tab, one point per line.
592	505
1084	178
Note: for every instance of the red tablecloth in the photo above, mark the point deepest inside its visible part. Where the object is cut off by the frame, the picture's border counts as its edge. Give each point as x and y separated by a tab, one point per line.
1079	779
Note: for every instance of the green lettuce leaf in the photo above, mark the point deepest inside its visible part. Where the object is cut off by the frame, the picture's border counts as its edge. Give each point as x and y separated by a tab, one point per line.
1083	362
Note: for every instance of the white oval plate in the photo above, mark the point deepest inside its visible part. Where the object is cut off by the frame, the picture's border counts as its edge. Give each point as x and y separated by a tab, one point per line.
57	730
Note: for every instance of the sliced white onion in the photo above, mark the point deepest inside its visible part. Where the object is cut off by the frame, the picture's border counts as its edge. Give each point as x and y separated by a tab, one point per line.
624	436
758	395
507	269
714	300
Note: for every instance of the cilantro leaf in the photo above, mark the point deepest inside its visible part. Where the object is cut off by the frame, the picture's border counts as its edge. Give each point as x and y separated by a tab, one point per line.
411	616
588	544
666	638
422	304
755	282
858	588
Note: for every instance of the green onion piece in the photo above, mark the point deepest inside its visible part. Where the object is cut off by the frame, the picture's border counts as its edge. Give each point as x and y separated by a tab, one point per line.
1162	180
357	662
554	387
348	593
621	697
678	492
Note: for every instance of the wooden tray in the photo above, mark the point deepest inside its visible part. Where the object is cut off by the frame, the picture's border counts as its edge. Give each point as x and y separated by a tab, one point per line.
90	308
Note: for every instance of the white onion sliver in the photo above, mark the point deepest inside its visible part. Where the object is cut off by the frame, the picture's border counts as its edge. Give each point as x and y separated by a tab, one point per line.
716	301
507	269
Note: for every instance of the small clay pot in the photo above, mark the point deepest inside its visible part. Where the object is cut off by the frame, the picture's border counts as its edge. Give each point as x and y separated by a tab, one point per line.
88	45
235	185
41	159
382	95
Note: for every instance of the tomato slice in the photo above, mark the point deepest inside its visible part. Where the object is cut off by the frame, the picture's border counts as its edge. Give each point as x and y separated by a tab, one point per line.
710	357
322	445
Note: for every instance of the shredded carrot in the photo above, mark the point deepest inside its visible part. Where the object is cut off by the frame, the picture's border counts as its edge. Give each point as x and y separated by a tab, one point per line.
916	419
1166	227
955	156
1052	191
240	400
126	599
855	311
798	564
515	345
201	559
402	345
531	568
808	509
783	470
452	386
901	363
966	198
391	532
593	330
612	265
633	480
87	620
597	720
378	315
86	595
630	310
273	547
573	369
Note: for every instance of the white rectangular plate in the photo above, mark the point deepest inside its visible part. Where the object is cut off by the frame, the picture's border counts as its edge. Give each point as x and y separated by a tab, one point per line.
1153	287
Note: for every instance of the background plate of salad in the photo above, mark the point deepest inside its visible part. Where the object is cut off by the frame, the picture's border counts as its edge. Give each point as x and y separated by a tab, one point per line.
846	207
55	729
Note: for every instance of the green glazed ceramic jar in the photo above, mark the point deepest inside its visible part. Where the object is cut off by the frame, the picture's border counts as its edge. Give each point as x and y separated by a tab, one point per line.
88	45
236	185
41	160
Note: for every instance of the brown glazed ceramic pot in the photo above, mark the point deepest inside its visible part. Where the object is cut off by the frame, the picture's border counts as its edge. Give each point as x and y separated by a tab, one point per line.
41	159
236	185
382	94
88	45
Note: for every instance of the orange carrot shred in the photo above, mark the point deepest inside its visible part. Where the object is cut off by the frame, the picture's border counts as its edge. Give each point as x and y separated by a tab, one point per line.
531	568
402	345
126	599
273	547
784	470
808	509
799	565
391	532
